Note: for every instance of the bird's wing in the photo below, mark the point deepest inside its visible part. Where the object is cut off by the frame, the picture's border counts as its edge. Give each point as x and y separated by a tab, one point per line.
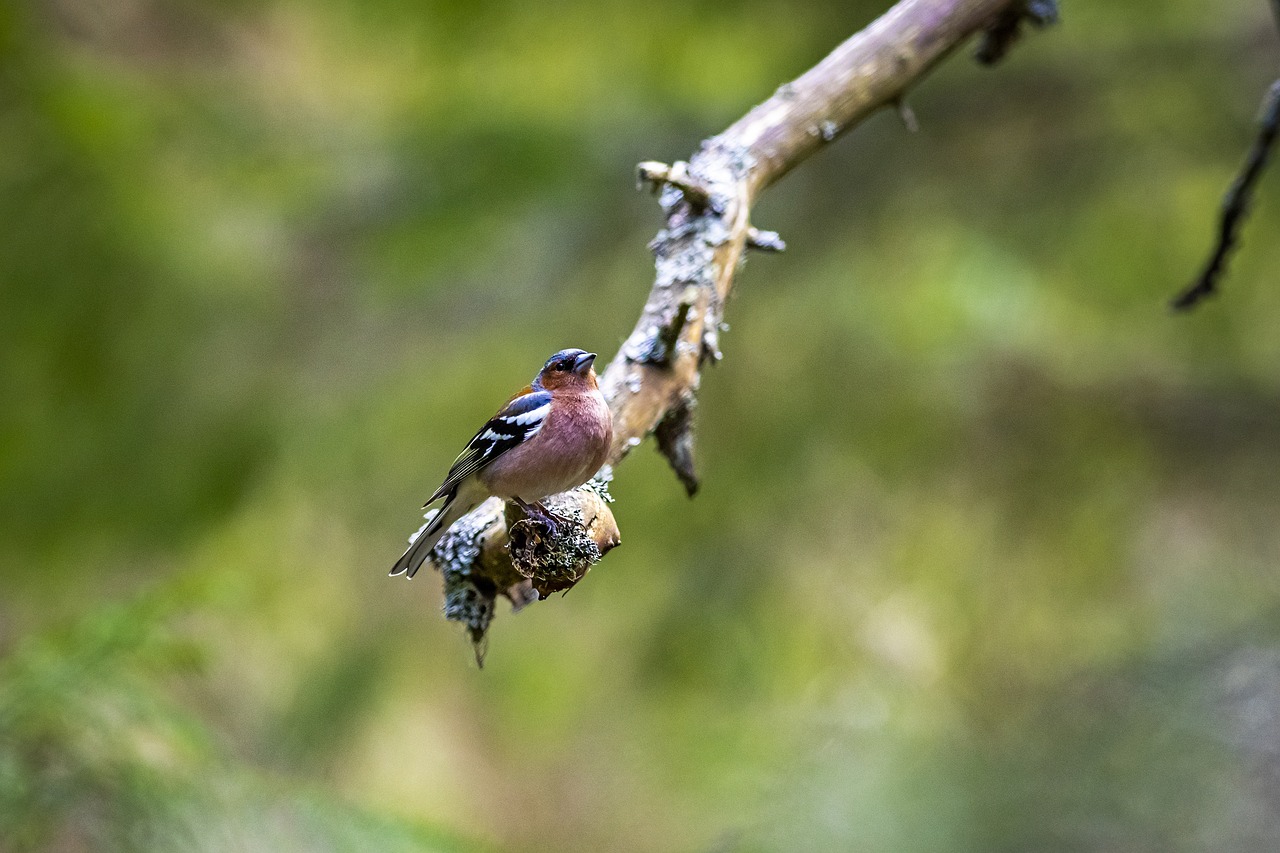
516	422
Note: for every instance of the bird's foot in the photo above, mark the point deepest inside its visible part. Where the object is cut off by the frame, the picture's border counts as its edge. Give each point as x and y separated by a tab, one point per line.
537	511
553	520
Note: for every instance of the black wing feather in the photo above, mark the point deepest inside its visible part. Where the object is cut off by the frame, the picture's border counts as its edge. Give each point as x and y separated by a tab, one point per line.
517	421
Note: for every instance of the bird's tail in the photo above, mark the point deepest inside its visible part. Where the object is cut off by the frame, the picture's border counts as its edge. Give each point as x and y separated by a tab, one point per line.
420	544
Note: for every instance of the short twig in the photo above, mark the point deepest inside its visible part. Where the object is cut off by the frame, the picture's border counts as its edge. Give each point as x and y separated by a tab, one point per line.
1235	205
908	117
658	175
765	241
1007	29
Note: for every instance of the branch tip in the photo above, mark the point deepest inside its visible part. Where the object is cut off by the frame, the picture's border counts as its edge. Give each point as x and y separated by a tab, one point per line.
1042	13
907	116
651	174
1235	205
1004	32
658	175
765	241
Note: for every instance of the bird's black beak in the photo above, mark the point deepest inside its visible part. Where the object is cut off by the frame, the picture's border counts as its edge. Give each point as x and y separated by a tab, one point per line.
582	364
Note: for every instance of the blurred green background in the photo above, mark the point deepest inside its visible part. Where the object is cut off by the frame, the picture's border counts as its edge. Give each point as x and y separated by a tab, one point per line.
986	553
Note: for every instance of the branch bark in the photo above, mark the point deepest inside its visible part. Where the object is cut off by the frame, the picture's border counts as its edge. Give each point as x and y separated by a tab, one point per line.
652	383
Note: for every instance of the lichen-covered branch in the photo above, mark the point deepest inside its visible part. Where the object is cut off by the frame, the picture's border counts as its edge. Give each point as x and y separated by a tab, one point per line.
652	383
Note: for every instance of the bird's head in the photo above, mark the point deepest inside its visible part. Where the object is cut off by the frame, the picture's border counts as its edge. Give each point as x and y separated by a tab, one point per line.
568	370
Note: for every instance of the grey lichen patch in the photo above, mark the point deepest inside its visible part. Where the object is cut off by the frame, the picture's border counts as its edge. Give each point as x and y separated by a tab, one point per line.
459	548
685	252
685	265
469	594
671	197
717	171
741	160
721	161
643	349
470	601
687	257
599	484
661	346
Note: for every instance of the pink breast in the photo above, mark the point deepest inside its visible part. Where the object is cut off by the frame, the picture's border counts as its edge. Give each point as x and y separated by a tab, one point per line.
571	446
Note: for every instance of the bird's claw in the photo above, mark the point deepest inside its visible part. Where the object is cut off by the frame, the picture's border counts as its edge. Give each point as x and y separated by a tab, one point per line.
551	519
538	512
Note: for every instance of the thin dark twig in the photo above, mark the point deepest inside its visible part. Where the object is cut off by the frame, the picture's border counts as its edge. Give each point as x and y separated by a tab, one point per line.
1235	205
1007	28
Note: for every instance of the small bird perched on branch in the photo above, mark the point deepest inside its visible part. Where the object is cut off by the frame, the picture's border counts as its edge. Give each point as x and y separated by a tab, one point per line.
552	436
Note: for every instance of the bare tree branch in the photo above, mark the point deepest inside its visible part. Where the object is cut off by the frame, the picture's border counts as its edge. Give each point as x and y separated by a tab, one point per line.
652	382
1235	205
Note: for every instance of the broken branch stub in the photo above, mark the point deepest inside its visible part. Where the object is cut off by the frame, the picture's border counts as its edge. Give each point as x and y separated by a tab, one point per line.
674	435
555	563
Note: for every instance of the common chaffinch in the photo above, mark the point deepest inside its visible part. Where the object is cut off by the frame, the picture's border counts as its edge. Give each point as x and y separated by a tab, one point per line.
552	436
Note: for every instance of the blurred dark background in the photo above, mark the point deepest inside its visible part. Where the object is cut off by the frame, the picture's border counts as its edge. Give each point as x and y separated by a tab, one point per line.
986	553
